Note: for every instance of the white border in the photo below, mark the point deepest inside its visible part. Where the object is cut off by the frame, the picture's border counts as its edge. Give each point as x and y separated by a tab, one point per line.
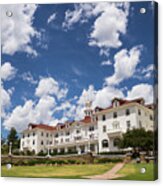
51	182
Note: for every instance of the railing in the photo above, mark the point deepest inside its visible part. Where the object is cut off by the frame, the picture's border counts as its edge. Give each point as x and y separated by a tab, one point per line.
114	131
73	141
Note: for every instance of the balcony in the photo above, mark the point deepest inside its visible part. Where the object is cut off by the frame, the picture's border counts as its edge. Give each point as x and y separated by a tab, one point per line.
114	132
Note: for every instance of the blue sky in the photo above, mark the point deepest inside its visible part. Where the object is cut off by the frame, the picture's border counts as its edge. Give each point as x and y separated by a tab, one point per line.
56	57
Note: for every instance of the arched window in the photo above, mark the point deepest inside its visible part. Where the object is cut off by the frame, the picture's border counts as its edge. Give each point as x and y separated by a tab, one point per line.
105	143
116	142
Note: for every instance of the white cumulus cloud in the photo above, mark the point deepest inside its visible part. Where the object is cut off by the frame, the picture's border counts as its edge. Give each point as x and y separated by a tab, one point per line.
17	31
7	71
142	91
110	22
49	86
125	65
40	112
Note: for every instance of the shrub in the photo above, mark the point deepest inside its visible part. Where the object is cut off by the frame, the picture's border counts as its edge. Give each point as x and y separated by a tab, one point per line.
113	153
108	160
42	153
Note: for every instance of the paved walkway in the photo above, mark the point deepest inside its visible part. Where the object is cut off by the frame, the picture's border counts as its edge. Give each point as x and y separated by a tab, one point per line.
111	174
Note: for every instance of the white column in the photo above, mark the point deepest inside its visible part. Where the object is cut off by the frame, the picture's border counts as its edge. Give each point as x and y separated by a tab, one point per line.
89	146
86	148
10	148
66	149
78	150
96	148
58	150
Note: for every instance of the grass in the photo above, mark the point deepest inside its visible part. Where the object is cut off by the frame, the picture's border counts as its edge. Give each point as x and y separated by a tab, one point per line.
132	172
64	171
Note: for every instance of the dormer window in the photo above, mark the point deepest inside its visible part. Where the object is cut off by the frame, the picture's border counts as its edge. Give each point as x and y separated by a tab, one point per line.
115	103
30	127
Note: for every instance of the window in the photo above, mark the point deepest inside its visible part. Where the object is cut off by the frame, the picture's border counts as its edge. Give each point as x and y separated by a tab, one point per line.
104	128
34	134
140	124
23	136
77	131
116	125
42	143
114	114
116	103
56	135
67	133
103	117
33	142
139	112
61	140
78	138
67	140
127	112
105	143
28	135
91	128
128	123
151	117
42	134
47	134
116	142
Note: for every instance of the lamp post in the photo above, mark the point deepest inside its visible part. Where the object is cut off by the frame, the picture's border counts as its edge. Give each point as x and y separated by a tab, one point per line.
10	148
48	155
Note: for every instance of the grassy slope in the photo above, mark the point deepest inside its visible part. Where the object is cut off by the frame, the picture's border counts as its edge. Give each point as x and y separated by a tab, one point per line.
132	172
65	171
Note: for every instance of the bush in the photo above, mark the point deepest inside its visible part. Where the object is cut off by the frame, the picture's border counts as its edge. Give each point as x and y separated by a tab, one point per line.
42	153
30	153
71	161
108	160
113	153
16	152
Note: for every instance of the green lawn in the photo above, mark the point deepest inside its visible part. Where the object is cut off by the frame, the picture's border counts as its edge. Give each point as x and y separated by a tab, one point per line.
132	172
65	171
128	172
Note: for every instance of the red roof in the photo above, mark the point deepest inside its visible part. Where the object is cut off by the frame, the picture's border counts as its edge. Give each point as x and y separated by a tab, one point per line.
121	102
42	126
87	119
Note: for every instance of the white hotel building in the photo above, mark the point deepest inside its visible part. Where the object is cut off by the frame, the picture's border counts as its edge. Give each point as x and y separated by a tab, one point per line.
99	131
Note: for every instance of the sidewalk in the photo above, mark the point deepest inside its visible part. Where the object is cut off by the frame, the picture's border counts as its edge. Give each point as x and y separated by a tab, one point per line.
111	174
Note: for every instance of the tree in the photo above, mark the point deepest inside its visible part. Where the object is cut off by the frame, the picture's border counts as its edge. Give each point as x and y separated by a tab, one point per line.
13	137
138	138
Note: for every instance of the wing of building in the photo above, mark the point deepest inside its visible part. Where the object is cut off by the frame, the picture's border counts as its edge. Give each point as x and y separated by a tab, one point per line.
99	131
